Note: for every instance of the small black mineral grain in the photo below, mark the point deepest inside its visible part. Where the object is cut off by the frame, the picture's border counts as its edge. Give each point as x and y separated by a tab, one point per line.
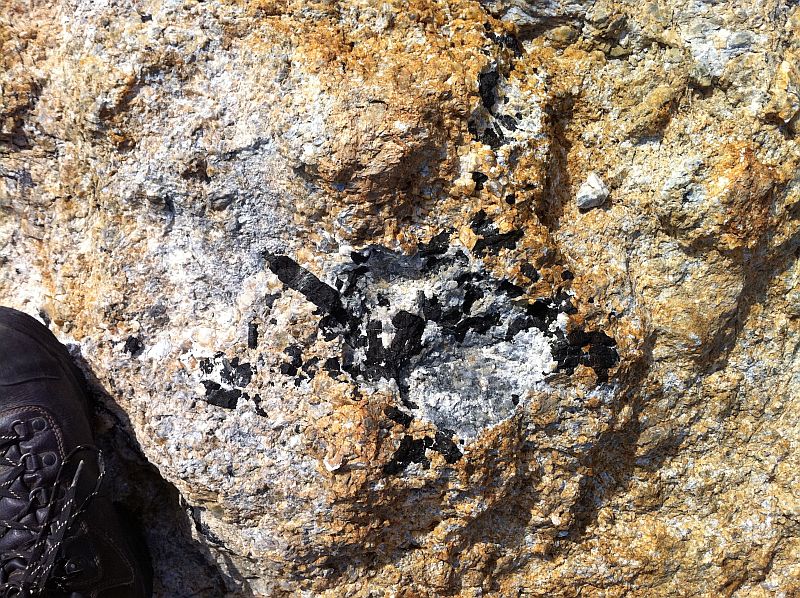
411	450
134	346
221	397
304	282
479	179
287	369
510	289
252	335
295	352
444	445
487	88
402	418
235	373
331	365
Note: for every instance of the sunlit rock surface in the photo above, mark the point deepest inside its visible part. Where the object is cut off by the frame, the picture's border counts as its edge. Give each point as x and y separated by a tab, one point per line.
337	269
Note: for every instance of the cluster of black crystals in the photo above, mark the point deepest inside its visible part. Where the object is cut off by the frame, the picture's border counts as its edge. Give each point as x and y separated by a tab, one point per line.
476	308
488	124
235	375
347	311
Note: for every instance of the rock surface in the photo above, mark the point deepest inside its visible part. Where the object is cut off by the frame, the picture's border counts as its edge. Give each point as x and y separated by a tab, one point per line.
592	193
325	262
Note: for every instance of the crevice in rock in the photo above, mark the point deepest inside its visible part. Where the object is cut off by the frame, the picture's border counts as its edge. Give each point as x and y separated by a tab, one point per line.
558	182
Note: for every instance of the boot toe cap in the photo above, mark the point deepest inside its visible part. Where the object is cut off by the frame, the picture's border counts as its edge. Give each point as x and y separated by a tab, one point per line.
24	359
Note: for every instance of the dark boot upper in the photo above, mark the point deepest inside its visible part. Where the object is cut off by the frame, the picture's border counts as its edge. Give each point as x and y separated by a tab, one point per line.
59	534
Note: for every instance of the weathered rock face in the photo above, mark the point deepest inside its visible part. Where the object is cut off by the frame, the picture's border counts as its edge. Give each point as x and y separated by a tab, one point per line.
429	298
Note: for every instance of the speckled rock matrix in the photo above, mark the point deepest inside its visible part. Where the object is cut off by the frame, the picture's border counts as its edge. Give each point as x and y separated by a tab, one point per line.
429	298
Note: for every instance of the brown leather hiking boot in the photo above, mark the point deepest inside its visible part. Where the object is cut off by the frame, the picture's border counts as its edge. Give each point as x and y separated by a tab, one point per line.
59	534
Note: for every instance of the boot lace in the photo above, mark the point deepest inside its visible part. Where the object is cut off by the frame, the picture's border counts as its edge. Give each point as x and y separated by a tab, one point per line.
29	567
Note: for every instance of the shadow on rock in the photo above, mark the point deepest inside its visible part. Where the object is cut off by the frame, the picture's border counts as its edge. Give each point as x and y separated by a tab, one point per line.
613	457
183	565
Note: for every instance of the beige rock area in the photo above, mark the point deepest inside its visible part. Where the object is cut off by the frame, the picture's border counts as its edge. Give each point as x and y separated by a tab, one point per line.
325	265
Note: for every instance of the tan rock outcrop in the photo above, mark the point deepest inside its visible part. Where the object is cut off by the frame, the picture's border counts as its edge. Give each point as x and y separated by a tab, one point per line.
328	260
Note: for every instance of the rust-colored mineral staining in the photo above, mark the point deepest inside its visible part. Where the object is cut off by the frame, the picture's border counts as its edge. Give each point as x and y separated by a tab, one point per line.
431	298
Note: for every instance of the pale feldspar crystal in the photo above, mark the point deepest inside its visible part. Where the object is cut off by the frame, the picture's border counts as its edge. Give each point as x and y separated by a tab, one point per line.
592	193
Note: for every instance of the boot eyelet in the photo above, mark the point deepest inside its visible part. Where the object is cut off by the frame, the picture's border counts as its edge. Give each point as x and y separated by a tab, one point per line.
49	459
18	423
73	566
39	424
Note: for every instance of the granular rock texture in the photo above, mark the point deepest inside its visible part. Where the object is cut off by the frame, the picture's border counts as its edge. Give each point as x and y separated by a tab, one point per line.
428	298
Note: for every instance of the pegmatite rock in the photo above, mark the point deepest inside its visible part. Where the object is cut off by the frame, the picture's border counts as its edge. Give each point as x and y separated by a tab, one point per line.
592	193
324	264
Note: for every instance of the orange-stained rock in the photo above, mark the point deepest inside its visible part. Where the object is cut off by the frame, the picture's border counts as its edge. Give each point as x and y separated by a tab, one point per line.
328	260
